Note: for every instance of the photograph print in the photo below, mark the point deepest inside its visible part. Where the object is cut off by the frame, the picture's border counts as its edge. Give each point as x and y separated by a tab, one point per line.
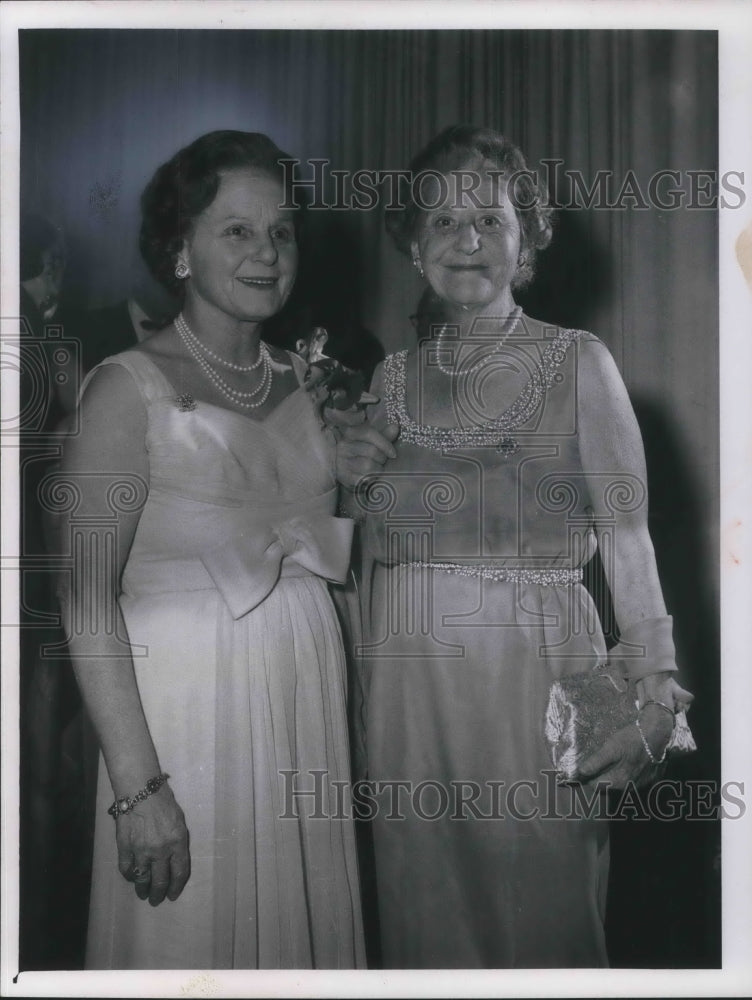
368	455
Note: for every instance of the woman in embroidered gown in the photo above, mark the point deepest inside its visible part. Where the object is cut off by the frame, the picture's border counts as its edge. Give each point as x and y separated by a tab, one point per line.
203	636
517	449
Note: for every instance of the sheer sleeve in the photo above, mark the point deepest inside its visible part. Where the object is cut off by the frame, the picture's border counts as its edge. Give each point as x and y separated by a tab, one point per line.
613	460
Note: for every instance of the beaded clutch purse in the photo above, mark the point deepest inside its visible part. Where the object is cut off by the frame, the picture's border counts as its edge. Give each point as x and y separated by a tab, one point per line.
584	710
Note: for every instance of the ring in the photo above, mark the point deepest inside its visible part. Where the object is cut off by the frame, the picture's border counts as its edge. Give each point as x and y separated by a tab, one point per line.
139	872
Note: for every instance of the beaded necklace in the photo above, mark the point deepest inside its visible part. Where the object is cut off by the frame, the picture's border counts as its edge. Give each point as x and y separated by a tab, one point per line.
195	348
188	335
492	433
510	325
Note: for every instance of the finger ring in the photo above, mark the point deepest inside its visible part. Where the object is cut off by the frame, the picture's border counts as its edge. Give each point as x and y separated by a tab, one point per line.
139	872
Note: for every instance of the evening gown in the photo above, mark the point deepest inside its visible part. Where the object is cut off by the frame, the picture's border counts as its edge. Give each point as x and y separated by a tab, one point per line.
240	667
474	866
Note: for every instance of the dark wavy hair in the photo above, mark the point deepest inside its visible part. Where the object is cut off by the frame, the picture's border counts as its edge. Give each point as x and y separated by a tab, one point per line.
464	146
188	183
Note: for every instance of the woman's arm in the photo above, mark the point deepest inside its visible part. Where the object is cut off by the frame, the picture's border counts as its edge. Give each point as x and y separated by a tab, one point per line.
110	448
611	452
364	444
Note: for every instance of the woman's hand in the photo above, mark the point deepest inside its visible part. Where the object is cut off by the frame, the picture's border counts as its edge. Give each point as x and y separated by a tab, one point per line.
362	450
152	842
623	757
664	688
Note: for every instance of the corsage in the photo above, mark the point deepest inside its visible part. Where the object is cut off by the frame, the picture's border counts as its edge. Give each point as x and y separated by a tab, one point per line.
330	383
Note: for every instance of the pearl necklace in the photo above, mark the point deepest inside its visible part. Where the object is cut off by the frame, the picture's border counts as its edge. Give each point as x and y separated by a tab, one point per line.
510	325
493	433
235	396
187	334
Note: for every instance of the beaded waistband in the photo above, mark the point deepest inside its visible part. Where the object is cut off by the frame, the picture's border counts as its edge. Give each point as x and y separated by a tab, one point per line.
549	577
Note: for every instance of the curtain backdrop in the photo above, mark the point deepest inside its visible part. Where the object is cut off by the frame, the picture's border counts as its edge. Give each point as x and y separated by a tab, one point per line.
101	109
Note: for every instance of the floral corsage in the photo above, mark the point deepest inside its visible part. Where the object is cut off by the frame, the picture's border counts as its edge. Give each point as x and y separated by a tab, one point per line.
331	384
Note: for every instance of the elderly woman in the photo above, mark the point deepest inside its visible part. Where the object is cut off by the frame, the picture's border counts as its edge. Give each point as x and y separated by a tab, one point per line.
517	450
204	639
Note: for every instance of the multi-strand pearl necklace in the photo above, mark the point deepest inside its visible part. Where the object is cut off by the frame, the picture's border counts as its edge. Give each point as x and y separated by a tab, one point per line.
510	325
200	353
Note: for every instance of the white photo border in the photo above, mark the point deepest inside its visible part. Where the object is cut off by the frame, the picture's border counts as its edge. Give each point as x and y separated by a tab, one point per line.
733	22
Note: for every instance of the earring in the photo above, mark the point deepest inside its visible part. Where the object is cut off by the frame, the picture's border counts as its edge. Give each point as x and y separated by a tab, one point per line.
417	263
521	260
181	270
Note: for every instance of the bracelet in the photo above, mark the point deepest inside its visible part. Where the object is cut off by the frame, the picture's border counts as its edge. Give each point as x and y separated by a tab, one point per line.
663	705
122	806
648	751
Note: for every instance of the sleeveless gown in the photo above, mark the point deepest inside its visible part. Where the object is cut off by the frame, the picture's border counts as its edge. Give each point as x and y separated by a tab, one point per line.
240	667
480	870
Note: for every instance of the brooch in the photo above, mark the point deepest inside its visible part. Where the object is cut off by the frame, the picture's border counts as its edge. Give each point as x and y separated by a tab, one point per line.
508	447
185	402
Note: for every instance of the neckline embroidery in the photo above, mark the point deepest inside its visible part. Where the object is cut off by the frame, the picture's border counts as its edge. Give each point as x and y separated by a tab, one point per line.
496	432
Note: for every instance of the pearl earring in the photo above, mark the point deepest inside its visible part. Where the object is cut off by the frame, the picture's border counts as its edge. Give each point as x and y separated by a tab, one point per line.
418	265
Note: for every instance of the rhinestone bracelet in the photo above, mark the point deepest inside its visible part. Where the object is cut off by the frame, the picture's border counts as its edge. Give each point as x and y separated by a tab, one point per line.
501	574
648	751
122	806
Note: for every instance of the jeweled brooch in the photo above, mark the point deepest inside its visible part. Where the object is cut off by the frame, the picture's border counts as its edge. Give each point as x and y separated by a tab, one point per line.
185	402
508	447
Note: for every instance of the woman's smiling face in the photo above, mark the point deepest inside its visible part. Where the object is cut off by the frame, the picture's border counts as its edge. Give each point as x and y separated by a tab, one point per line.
469	244
241	251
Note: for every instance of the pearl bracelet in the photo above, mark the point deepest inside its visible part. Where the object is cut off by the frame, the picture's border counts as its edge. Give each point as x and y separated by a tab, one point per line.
122	806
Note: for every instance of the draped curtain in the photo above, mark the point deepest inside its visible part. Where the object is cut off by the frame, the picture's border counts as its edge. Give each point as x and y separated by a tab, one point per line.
101	109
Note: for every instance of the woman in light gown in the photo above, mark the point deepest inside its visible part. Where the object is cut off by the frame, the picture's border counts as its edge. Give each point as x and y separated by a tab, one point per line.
517	450
203	636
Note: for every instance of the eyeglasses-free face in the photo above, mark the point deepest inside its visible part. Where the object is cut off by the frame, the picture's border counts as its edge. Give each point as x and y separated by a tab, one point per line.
242	253
469	244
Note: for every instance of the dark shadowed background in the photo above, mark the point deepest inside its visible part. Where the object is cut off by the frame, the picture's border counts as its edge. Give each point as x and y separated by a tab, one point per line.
101	109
